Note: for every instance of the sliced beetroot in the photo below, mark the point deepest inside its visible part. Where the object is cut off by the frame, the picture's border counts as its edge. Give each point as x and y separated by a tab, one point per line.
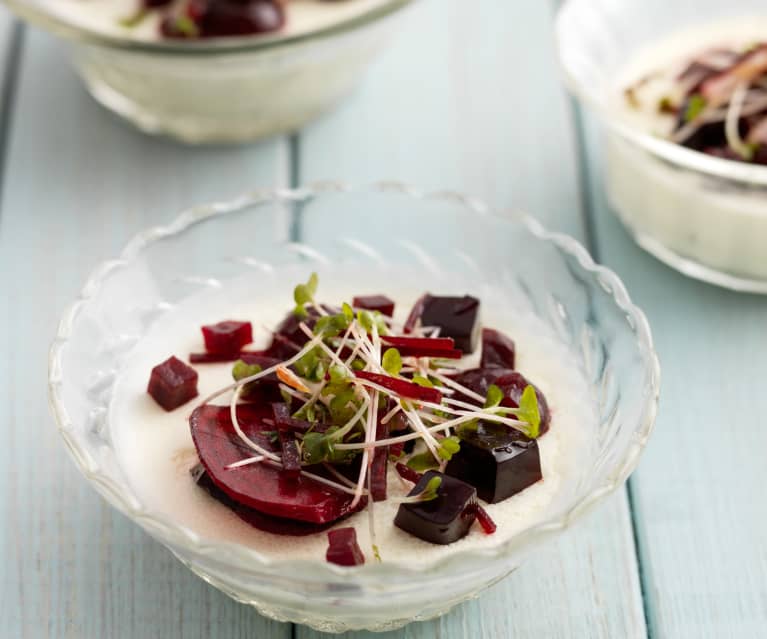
443	347
379	465
343	548
257	519
408	473
172	383
260	485
379	303
402	387
485	520
513	385
478	380
498	350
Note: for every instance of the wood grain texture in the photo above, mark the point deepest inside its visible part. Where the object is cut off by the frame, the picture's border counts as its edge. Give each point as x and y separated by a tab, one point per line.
470	99
78	185
700	512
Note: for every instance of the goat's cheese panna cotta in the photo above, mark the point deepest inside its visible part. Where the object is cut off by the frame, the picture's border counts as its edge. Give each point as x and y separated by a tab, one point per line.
366	424
704	89
190	19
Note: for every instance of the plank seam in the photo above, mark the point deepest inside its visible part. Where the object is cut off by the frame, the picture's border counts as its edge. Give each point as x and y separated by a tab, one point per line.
294	179
7	98
587	206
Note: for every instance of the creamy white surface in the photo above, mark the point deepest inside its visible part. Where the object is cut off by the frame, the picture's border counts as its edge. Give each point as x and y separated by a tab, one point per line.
722	226
156	451
104	16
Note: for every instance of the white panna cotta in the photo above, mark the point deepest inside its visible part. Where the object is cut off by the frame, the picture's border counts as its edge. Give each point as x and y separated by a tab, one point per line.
155	449
711	227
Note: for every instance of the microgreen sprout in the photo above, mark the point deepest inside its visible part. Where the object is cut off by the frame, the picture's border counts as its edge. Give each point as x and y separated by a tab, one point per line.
429	493
303	294
392	362
695	106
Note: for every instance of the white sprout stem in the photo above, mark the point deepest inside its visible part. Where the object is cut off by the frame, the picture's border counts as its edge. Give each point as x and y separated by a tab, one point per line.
370	434
459	387
390	415
732	121
235	422
371	520
267	371
394	440
428	438
245	462
294	393
343	342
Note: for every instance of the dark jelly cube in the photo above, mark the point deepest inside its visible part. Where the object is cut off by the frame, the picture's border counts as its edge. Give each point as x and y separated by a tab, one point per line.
172	383
497	350
375	303
343	548
457	317
442	520
499	462
228	337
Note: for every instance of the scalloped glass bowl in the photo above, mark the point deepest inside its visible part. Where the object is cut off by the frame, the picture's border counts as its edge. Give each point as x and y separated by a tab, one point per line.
704	216
548	273
223	90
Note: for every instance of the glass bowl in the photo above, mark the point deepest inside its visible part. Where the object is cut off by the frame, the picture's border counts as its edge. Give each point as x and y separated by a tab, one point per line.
222	90
704	216
548	274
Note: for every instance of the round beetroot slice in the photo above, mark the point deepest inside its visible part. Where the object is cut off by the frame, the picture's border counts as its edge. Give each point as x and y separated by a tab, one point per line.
259	486
513	385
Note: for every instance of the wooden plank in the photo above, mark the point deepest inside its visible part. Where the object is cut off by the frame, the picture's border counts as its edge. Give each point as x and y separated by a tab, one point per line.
78	185
700	515
469	99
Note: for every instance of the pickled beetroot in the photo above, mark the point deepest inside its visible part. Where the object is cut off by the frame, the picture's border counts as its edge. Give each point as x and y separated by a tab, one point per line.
457	317
215	18
498	351
267	523
260	485
485	520
172	383
513	385
402	387
291	456
498	461
343	548
227	337
284	421
217	358
408	473
379	303
380	464
442	520
443	347
288	338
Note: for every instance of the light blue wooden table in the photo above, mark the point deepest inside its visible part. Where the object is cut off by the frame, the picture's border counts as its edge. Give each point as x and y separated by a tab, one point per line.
468	98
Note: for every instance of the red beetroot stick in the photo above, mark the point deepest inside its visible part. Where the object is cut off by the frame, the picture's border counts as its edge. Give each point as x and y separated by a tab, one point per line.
485	520
402	387
434	343
406	351
408	473
215	358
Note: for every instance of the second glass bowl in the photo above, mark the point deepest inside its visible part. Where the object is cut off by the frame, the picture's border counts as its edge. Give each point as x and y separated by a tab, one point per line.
704	216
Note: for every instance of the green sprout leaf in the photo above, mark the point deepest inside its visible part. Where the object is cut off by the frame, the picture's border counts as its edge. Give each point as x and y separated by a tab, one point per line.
348	312
392	362
449	447
494	396
304	294
301	294
422	462
184	24
318	447
695	106
311	285
422	381
134	19
338	374
241	370
331	325
380	322
366	320
312	365
529	411
358	364
432	489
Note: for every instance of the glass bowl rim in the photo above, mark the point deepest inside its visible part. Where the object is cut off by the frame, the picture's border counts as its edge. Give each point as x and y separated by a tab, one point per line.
170	533
38	15
749	174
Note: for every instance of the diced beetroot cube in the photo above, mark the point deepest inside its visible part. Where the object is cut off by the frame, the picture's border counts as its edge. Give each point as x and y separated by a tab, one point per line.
498	461
227	337
375	303
457	317
343	548
442	520
172	383
291	457
415	313
497	350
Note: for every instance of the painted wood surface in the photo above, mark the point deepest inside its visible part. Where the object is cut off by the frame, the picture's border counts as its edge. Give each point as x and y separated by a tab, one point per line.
701	516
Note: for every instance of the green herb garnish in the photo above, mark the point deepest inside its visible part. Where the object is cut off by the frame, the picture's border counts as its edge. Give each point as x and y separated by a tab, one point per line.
392	362
303	294
695	106
529	412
